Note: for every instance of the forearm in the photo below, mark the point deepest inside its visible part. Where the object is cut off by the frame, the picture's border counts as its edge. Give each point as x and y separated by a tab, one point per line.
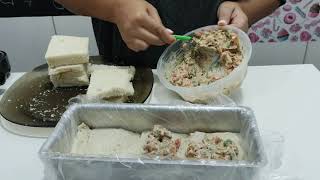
102	9
258	9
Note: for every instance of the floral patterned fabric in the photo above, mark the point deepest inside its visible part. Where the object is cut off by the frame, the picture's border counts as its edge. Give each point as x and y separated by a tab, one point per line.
296	21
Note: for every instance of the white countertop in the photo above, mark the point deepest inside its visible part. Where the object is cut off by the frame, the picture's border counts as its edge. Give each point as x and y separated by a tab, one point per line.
285	99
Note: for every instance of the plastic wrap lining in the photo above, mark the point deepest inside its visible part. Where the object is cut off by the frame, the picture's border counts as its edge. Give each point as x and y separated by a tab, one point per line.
61	164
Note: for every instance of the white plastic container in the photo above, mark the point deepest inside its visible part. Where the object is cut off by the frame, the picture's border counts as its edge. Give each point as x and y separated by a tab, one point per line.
206	93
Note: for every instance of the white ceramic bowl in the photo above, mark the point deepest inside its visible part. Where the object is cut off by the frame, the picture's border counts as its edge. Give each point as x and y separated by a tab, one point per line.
206	93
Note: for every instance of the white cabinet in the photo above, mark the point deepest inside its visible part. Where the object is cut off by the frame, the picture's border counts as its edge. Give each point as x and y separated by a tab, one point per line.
76	26
25	40
277	53
313	54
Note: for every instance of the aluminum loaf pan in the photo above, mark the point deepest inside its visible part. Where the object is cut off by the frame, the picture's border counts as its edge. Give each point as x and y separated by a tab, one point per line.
61	165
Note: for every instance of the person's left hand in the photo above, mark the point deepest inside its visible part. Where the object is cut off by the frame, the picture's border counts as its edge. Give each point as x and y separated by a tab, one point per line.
230	13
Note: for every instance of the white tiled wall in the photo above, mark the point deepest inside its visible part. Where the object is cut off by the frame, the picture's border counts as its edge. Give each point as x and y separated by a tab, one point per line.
278	53
313	54
76	26
26	40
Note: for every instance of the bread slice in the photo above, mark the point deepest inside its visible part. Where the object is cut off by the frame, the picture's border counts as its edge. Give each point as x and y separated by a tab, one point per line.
71	69
92	67
108	82
61	80
71	75
67	50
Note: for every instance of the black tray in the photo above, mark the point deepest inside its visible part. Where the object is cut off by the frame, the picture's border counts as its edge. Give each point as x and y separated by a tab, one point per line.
33	101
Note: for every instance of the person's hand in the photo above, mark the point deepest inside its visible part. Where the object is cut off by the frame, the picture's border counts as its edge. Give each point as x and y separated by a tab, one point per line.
231	13
140	25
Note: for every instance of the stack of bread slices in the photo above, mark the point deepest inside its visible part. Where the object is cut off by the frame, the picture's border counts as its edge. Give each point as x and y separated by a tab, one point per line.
68	59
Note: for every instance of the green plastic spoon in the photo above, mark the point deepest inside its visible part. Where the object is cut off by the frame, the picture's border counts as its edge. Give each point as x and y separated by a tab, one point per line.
182	38
215	58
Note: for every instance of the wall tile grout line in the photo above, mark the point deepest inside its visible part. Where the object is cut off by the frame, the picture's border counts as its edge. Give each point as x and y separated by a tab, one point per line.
54	25
305	53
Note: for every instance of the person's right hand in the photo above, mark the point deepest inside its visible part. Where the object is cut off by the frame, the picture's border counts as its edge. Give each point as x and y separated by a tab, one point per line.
140	25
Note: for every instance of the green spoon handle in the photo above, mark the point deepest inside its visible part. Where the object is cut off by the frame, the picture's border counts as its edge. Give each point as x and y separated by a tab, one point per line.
182	38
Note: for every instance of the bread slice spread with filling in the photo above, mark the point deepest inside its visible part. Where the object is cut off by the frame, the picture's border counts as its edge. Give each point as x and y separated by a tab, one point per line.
71	75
